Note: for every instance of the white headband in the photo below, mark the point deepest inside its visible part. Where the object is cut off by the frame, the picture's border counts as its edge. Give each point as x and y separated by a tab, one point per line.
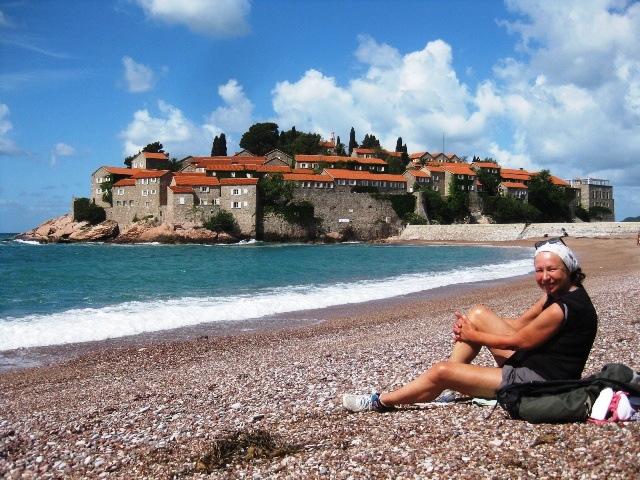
566	255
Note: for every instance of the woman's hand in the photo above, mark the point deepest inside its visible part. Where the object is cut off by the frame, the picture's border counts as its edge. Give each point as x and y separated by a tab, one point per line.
462	328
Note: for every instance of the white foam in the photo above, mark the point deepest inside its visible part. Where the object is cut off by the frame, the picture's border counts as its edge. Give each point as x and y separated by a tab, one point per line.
131	318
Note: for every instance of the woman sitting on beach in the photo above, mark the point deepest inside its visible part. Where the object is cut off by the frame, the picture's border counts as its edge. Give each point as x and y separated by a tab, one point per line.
550	341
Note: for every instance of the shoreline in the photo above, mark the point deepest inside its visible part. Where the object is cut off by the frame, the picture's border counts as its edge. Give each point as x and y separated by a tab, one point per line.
155	411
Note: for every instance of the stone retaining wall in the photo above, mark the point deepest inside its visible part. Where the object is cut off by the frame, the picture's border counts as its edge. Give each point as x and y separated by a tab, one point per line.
518	231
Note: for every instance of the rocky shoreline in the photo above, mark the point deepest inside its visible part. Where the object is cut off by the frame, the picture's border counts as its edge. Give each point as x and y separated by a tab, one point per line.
65	230
266	406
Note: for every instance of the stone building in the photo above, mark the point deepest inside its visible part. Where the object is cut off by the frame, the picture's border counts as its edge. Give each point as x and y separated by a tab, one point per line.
594	192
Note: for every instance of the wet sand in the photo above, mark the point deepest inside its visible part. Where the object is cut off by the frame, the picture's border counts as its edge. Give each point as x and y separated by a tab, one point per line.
157	410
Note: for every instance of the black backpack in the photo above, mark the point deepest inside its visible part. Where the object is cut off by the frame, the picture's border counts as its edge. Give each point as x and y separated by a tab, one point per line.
562	401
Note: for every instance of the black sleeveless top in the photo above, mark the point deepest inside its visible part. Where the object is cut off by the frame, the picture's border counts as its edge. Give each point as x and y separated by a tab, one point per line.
565	354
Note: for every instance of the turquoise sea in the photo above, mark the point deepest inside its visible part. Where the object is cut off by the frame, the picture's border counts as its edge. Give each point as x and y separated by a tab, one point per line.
54	295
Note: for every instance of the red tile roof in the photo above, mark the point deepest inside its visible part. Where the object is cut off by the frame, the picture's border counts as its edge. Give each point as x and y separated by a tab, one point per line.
337	173
159	156
196	181
458	169
419	173
238	181
338	159
486	165
273	169
149	173
239	160
514	185
120	170
125	182
178	189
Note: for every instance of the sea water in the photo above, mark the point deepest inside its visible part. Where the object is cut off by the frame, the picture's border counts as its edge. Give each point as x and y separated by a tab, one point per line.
66	293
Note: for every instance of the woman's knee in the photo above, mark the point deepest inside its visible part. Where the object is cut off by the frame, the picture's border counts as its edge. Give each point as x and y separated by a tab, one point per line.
440	371
479	313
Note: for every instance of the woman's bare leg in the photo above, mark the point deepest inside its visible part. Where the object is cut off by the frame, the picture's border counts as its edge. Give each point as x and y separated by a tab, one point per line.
472	380
485	320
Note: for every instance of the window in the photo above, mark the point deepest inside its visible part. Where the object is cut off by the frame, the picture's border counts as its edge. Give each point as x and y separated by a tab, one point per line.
245	191
235	191
118	203
235	204
153	191
352	182
145	181
131	203
154	180
145	193
233	174
147	204
181	200
121	191
204	189
216	201
98	191
204	202
246	204
342	182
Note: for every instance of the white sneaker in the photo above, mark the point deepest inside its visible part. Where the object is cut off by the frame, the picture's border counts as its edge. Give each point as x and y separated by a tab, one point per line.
362	403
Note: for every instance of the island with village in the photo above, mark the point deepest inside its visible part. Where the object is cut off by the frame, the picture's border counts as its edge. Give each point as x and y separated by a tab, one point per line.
339	198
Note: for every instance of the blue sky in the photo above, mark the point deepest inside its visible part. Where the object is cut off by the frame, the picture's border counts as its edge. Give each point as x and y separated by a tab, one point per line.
538	85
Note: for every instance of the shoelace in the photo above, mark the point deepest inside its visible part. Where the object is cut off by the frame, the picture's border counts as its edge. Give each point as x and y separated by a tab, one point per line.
364	402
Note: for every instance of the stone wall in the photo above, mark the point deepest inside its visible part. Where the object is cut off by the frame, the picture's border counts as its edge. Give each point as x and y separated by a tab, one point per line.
367	217
519	231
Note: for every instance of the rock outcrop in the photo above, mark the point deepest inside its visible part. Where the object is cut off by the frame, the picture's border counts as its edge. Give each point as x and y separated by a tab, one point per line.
65	230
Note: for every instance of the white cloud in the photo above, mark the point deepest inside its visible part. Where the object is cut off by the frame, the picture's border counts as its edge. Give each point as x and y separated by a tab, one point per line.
181	136
580	88
61	150
416	96
218	18
236	115
139	78
7	146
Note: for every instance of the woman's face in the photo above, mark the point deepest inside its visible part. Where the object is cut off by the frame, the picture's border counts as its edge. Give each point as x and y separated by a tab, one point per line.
552	275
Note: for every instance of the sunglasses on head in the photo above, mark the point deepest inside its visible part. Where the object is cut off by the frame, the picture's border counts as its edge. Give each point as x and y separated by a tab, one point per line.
537	245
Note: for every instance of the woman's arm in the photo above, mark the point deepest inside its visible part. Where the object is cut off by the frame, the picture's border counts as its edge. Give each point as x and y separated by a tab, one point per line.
532	332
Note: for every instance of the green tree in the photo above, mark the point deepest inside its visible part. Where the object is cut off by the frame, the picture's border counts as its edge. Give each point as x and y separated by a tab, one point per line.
219	146
175	165
304	144
370	141
352	141
274	191
548	198
396	165
490	182
508	209
155	147
340	148
223	221
86	211
261	138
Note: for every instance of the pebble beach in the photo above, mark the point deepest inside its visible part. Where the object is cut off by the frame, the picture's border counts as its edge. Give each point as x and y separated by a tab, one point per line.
267	405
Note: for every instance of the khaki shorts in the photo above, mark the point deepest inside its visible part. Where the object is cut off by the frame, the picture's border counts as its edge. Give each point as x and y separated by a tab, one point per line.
511	375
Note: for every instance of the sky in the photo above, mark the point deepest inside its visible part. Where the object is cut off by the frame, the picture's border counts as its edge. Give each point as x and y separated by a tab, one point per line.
536	85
